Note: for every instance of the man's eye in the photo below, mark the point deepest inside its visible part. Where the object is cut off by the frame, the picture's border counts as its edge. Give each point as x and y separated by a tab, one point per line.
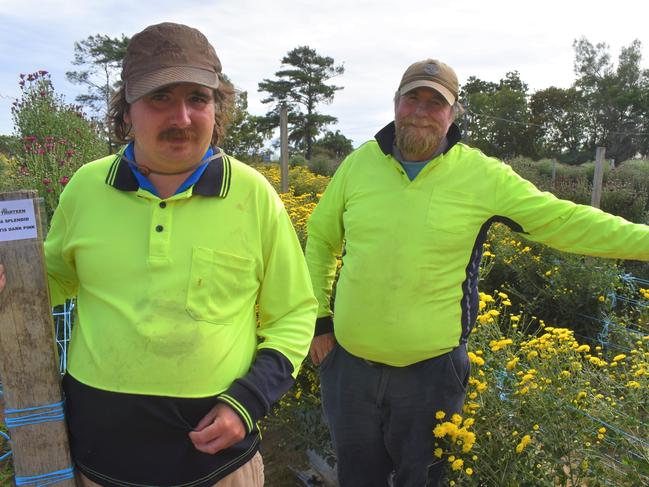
200	100
158	97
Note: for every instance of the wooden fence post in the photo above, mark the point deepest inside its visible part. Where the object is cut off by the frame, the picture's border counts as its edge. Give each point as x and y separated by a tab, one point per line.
598	177
28	357
283	137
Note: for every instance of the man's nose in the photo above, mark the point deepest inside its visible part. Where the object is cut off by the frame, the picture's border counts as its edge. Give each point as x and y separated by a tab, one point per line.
181	115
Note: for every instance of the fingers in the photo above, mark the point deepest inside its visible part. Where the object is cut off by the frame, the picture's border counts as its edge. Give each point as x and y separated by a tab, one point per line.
3	278
219	429
321	346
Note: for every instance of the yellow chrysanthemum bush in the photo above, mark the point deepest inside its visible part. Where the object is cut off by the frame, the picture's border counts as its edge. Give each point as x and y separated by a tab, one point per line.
542	408
305	189
564	289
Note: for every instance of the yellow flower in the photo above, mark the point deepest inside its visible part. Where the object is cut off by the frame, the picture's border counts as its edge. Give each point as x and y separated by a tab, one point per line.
526	440
438	452
457	464
479	361
633	384
440	415
512	363
583	348
619	357
456	419
601	299
469	471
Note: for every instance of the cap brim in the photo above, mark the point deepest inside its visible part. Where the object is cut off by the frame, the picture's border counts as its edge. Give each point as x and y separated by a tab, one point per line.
169	76
448	96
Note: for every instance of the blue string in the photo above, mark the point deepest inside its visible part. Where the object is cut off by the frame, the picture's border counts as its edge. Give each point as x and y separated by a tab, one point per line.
635	302
40	414
46	479
7	454
608	425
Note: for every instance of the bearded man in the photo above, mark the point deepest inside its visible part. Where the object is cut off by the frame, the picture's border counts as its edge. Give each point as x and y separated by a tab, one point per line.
409	212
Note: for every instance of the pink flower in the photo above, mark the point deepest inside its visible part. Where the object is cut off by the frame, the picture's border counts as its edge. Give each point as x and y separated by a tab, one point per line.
64	180
49	190
47	181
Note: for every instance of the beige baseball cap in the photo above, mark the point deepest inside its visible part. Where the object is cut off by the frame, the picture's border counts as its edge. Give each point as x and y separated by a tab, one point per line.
434	74
168	53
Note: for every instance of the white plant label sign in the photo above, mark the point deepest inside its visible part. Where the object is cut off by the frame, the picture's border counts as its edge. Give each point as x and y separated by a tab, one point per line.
17	220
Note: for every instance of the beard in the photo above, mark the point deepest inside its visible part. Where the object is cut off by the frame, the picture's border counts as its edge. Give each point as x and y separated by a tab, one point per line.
418	139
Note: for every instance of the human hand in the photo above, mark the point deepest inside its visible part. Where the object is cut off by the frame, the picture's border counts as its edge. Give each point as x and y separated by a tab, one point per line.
3	278
218	430
321	345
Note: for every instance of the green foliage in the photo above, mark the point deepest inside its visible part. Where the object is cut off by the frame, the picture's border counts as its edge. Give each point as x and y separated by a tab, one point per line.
625	190
56	139
614	98
559	124
545	409
246	133
301	86
498	116
9	145
297	160
565	289
101	57
322	163
334	144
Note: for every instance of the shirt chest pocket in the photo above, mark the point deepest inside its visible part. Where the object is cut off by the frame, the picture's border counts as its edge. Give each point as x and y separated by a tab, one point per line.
454	217
220	286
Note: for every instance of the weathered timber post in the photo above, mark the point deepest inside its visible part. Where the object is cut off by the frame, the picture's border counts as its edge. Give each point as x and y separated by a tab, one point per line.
28	358
598	177
283	137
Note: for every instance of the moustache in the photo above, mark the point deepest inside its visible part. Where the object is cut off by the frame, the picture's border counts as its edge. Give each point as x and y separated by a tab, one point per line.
177	134
416	122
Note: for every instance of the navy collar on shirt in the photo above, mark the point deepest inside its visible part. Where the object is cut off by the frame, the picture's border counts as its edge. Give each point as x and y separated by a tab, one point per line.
214	180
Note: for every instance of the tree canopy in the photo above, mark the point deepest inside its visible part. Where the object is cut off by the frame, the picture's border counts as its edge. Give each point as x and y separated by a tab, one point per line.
100	57
301	86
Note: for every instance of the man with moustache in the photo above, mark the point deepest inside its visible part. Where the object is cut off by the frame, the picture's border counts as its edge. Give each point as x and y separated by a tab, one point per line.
195	308
409	212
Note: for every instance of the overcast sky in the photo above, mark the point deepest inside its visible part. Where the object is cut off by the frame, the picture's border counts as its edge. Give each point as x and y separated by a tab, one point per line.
374	39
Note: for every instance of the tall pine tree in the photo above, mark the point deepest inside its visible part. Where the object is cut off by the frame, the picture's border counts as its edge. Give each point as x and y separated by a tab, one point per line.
301	86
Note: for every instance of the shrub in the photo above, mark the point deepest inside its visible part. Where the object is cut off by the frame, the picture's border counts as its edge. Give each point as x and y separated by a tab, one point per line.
544	409
56	139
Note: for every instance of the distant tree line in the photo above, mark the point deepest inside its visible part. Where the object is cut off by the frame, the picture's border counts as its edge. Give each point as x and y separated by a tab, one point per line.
607	106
